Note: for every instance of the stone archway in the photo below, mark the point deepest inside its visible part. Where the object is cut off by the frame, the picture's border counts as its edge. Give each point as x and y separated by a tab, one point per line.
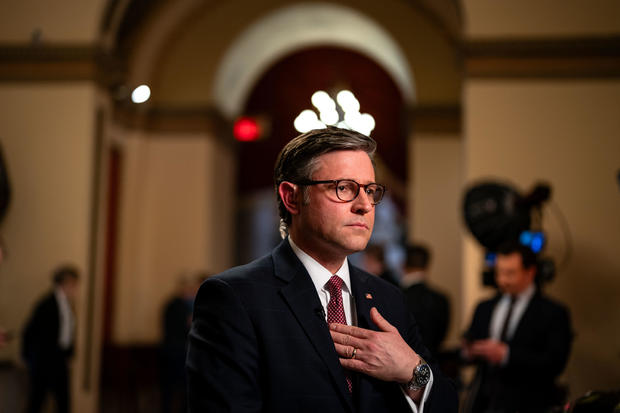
301	26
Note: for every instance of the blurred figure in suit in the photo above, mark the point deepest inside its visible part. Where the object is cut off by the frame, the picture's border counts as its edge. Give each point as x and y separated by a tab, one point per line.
430	307
177	318
373	261
520	338
48	342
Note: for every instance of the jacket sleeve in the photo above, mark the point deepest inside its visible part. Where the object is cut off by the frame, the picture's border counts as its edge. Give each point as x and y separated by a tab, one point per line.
443	396
222	360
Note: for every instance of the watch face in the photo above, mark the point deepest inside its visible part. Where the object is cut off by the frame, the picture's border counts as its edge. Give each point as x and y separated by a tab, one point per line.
422	374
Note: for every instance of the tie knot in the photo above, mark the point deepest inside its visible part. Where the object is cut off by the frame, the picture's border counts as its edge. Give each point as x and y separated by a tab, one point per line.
334	284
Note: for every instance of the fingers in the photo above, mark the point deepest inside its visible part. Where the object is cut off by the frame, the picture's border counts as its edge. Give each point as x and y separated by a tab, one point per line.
355	365
347	352
350	330
381	322
375	316
347	340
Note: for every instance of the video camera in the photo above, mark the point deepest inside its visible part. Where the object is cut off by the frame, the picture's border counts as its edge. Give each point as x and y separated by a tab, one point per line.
496	213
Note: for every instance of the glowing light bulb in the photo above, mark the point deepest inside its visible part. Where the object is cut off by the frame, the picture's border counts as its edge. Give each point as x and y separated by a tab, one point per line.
347	101
306	121
322	101
141	94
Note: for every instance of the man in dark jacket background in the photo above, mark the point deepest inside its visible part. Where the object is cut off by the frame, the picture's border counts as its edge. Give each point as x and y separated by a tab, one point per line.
48	341
520	338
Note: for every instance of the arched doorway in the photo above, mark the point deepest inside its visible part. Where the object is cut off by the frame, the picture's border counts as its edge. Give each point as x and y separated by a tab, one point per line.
282	92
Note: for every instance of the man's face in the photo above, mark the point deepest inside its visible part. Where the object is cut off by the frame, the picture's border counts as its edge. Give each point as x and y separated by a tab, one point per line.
510	275
330	227
70	288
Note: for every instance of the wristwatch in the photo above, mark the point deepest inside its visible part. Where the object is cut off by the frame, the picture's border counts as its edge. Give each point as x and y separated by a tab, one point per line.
421	376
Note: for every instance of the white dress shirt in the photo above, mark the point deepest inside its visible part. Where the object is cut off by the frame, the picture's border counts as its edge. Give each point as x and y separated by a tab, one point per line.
66	320
501	311
320	276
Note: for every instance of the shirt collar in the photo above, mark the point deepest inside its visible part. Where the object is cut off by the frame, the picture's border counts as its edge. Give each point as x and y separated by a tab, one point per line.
525	295
319	274
61	297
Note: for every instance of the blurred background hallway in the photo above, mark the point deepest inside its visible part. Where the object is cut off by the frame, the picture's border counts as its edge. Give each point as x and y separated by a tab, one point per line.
139	195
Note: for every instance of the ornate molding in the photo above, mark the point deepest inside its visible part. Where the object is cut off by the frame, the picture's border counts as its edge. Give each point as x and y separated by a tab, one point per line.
161	120
71	62
550	58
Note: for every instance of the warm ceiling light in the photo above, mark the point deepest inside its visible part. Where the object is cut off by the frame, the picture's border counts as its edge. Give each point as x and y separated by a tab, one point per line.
141	94
348	117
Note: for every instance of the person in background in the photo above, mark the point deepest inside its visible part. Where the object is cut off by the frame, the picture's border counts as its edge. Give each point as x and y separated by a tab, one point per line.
176	321
520	339
373	261
431	308
48	342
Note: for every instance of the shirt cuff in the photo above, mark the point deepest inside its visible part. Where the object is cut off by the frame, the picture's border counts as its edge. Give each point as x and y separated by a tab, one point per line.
427	391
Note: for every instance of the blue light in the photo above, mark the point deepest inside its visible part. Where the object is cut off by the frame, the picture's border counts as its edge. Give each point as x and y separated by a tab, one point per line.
525	238
489	259
534	240
538	241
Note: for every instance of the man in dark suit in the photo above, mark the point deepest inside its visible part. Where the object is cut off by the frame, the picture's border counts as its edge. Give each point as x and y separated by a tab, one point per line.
301	330
430	307
520	338
176	322
47	342
373	261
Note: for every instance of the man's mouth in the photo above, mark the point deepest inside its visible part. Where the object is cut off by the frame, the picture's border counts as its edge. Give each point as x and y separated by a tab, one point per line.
358	225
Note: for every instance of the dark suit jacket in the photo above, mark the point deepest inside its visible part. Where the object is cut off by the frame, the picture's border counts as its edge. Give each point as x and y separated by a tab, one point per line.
259	343
431	310
40	337
539	351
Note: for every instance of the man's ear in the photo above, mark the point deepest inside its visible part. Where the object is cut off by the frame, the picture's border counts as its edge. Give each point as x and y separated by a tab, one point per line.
289	193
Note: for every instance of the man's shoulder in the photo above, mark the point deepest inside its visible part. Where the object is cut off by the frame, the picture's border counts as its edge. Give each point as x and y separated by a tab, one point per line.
281	258
549	303
46	301
251	271
489	303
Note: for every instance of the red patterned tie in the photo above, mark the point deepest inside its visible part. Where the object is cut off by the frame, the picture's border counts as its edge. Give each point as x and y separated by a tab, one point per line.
335	309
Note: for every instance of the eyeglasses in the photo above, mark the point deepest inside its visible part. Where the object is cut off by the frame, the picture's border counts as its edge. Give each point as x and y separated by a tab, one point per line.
347	190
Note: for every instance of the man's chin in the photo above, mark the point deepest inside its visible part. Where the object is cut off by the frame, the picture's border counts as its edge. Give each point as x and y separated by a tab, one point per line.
357	245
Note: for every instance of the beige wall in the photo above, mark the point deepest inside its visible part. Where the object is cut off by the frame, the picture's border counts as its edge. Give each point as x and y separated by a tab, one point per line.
534	18
567	133
62	21
435	171
47	134
175	219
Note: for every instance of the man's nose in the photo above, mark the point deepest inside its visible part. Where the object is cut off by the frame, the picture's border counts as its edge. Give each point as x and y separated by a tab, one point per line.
362	203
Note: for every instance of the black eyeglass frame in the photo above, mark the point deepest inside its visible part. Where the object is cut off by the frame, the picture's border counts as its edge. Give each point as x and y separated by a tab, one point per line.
309	182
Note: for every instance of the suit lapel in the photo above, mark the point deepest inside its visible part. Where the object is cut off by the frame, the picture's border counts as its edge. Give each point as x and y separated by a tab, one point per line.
301	297
528	318
363	296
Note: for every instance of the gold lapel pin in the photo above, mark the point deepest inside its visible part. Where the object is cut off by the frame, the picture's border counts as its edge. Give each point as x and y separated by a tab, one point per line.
369	296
